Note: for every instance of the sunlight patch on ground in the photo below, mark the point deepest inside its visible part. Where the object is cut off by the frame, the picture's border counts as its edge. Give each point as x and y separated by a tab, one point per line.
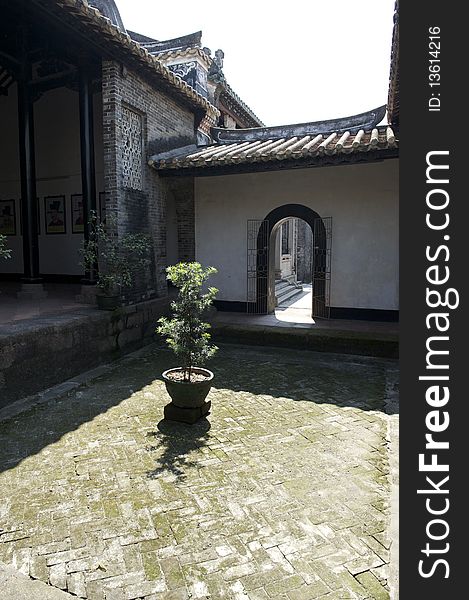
298	309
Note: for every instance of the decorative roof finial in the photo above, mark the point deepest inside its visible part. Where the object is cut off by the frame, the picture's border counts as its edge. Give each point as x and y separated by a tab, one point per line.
218	59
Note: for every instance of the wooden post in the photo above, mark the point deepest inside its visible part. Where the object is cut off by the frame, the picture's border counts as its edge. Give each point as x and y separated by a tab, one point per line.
88	179
28	179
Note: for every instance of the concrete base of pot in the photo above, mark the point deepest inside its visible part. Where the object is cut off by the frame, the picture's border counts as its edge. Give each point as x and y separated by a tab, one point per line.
186	415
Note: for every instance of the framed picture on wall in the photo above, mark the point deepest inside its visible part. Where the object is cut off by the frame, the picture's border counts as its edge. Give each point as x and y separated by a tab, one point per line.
77	213
7	217
54	214
38	216
102	207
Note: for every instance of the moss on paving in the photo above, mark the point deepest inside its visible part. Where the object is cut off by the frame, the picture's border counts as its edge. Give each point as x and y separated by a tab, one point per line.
284	487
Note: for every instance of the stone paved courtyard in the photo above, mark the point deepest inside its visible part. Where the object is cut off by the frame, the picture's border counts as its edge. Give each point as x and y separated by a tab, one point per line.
283	493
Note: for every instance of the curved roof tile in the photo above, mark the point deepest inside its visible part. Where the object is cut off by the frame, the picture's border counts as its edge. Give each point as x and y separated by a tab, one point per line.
288	148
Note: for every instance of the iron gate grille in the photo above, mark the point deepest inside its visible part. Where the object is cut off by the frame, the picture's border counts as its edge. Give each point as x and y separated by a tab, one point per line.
257	267
322	240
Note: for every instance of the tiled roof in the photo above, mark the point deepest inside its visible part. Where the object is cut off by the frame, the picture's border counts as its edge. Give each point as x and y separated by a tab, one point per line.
117	41
226	90
166	55
284	149
166	49
109	9
233	96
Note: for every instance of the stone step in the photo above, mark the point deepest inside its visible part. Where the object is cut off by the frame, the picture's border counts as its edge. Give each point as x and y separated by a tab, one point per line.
281	285
288	294
288	281
281	293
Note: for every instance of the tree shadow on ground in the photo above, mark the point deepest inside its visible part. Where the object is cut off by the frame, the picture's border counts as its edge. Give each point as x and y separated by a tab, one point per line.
297	375
176	442
29	432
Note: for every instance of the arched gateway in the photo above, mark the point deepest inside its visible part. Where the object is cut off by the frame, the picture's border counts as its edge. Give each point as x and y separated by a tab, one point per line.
261	259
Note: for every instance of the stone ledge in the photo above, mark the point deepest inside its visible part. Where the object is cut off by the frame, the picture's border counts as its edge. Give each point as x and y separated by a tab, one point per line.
382	345
17	586
38	353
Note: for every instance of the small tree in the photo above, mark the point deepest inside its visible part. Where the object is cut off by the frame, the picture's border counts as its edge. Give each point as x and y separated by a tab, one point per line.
186	333
4	251
120	257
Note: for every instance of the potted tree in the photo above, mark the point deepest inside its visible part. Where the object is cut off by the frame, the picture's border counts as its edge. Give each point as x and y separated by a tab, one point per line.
119	259
187	336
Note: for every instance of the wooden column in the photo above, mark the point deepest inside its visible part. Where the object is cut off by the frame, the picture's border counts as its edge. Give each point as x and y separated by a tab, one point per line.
28	179
88	178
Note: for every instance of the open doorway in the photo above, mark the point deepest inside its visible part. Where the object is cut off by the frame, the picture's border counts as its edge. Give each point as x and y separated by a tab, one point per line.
265	270
293	266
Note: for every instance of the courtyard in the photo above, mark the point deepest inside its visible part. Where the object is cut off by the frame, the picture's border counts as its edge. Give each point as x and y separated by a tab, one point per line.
284	492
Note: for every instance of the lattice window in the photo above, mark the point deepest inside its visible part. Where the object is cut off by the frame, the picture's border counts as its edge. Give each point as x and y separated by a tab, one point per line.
132	159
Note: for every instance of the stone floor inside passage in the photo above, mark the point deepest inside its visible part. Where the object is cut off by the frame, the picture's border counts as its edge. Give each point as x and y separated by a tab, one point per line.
282	493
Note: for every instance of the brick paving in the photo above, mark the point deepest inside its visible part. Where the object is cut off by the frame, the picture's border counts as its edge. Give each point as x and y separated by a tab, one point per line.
283	493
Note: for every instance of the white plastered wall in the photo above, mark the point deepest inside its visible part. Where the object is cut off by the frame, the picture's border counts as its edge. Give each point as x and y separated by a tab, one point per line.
58	172
362	200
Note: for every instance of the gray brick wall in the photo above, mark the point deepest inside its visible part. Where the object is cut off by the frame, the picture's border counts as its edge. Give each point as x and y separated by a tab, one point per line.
164	122
182	189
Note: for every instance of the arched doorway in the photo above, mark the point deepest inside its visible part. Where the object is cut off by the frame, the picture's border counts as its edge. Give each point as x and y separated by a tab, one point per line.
293	253
261	258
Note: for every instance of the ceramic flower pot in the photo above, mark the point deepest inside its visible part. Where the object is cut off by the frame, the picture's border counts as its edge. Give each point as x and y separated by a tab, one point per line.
188	397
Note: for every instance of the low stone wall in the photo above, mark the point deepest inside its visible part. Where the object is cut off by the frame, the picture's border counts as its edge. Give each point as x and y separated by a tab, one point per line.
45	351
379	345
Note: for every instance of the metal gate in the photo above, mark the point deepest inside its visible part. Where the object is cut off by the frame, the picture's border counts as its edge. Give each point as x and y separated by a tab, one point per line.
322	241
257	266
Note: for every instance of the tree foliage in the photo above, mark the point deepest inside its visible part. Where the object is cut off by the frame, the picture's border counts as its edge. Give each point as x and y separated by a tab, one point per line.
186	332
119	257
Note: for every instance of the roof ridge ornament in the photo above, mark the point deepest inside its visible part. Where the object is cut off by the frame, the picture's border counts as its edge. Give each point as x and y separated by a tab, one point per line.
366	121
215	73
218	58
108	8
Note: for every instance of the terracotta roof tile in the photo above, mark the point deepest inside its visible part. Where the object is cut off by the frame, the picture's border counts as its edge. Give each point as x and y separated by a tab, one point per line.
333	143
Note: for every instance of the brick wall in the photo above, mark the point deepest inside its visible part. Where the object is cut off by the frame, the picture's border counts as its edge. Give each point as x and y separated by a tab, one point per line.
182	189
71	342
141	204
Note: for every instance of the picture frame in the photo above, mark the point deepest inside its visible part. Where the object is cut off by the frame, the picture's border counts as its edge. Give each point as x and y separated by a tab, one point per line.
78	223
7	217
54	215
38	216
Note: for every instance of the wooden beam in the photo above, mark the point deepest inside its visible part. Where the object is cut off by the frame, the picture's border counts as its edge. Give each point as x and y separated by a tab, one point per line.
50	82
